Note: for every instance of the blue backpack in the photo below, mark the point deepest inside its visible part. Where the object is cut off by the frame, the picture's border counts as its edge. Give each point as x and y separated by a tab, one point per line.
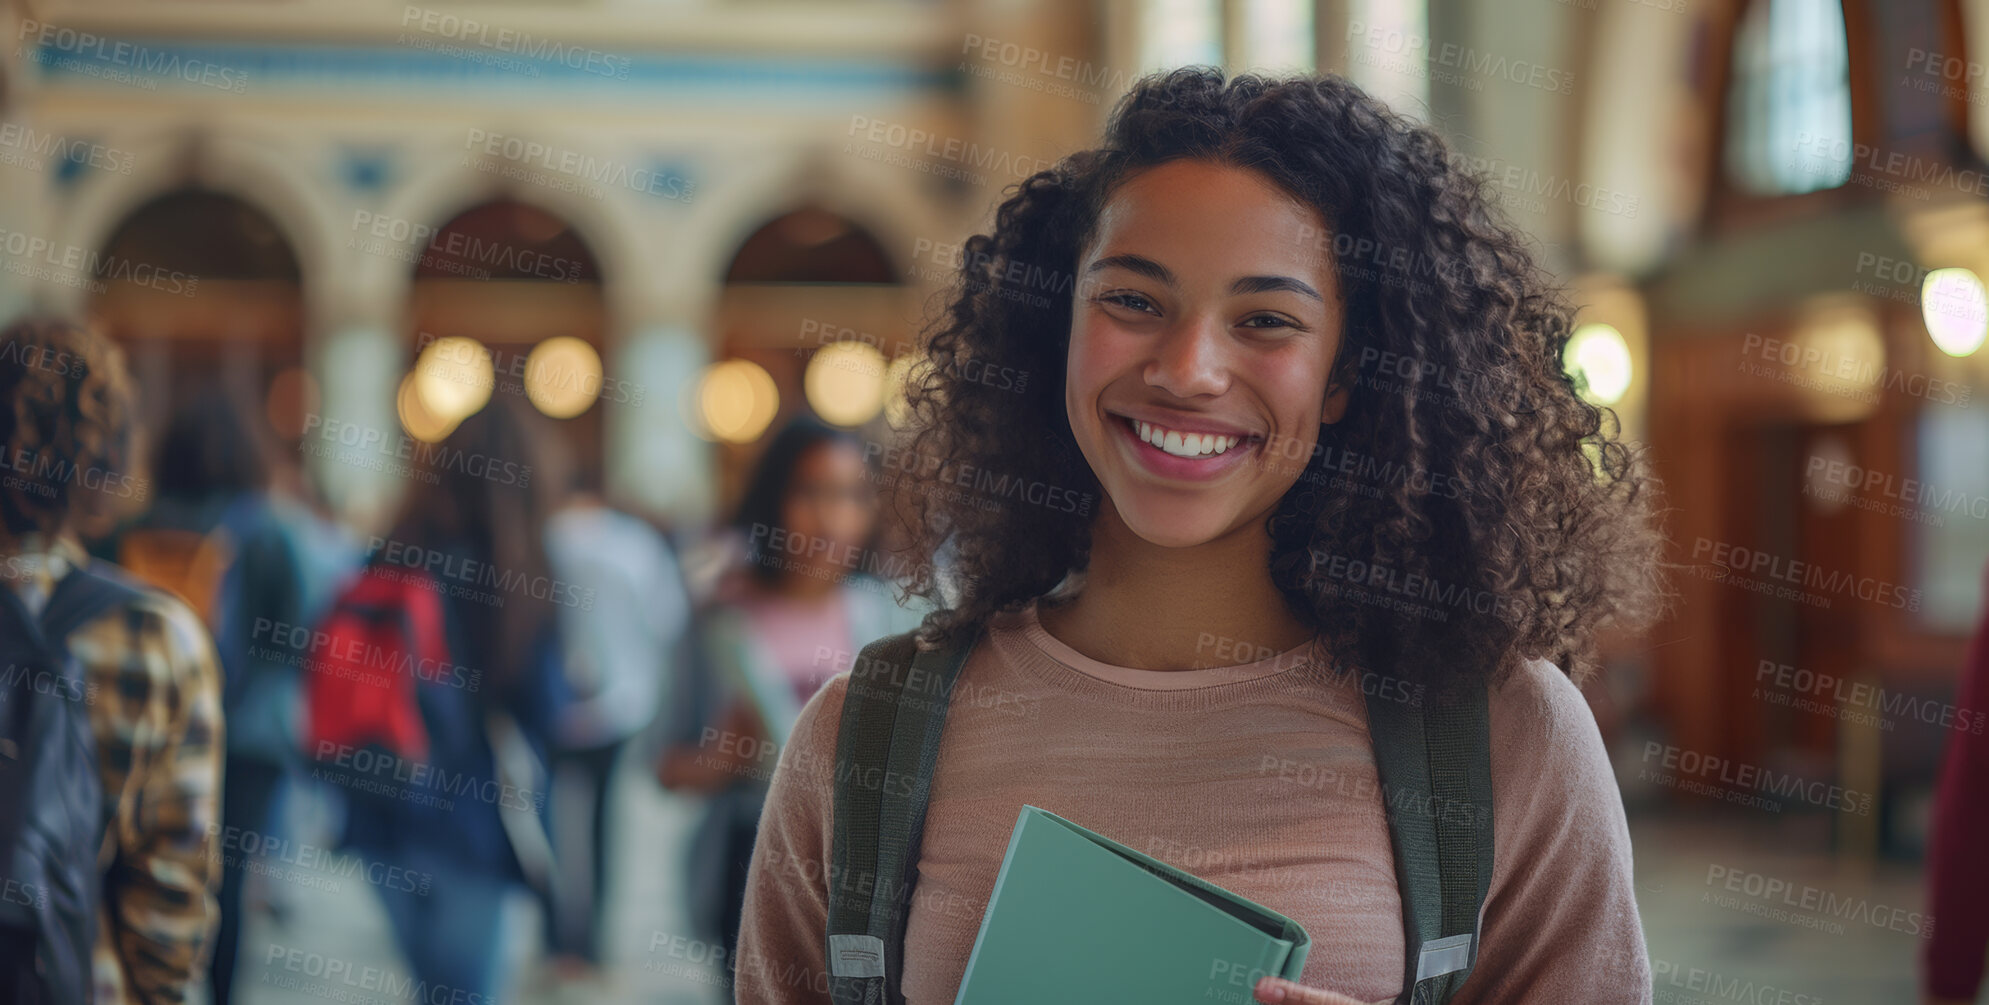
52	815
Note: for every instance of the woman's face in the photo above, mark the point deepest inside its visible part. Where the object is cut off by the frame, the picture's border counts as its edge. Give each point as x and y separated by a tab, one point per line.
831	505
1205	325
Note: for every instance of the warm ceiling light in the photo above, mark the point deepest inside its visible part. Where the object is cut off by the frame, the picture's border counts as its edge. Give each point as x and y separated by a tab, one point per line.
737	400
419	422
563	376
845	383
453	378
1598	359
1956	310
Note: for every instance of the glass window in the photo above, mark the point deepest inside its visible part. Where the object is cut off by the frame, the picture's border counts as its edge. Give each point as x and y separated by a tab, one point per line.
1278	36
1789	109
1388	45
1974	39
1180	33
1951	506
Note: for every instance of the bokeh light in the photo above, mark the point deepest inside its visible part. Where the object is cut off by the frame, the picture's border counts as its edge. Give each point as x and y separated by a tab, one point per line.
1956	310
737	401
845	383
1598	359
415	416
453	378
563	376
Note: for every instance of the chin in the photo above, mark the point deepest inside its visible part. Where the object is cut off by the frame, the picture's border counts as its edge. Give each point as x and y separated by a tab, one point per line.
1174	523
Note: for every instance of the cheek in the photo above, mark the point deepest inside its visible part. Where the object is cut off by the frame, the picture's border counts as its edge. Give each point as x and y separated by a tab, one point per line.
1087	369
1295	385
1102	352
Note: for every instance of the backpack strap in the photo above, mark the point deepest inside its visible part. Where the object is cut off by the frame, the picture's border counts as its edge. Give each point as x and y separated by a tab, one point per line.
81	596
887	747
1436	780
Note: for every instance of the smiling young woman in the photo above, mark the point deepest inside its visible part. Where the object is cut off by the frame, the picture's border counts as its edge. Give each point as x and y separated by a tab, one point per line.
1284	529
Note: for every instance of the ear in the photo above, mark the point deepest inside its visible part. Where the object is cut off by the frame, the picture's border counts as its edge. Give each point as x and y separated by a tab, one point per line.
1336	405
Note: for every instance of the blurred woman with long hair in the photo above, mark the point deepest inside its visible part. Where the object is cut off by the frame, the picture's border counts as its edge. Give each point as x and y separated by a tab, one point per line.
811	585
459	597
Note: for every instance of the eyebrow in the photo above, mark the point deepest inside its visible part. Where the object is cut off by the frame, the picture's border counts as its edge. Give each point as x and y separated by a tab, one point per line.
1248	284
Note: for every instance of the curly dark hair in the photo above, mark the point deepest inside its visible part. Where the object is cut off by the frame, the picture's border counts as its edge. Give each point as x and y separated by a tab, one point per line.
1538	536
68	430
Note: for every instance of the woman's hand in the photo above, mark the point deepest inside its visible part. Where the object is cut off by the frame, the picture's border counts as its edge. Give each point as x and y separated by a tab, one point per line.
1278	991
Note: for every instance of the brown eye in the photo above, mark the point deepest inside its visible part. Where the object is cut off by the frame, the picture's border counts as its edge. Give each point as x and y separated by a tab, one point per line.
1130	301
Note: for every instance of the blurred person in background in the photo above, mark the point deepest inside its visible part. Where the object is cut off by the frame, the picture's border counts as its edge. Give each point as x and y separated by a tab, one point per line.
617	652
786	618
280	566
153	685
206	459
425	744
257	561
1957	869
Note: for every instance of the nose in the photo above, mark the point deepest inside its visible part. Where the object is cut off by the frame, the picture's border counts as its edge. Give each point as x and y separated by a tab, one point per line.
1189	359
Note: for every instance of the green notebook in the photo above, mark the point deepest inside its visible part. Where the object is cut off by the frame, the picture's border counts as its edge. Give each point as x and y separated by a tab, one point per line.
1079	917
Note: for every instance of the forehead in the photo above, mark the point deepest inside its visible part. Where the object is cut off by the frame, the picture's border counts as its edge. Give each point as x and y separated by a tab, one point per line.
1199	216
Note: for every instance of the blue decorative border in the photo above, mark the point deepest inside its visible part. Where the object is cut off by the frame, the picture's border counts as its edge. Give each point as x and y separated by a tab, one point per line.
179	66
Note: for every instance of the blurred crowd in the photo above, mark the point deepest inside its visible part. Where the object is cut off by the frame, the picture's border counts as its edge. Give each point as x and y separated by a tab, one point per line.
457	691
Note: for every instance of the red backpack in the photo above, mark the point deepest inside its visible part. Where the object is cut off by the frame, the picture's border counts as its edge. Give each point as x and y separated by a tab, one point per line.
365	659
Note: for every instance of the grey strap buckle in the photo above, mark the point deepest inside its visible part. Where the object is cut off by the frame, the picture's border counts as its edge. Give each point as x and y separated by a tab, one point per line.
856	956
1445	955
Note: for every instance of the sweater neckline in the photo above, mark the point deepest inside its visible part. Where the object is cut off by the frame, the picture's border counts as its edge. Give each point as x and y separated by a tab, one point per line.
1021	639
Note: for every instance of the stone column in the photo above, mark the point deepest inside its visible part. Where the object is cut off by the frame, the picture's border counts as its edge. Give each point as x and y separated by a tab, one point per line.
654	459
351	437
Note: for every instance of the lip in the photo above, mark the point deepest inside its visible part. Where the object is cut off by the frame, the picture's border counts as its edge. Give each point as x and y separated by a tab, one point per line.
1164	465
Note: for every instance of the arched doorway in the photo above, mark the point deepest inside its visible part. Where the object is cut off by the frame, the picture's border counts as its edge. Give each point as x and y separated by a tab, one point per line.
806	279
204	292
201	287
516	278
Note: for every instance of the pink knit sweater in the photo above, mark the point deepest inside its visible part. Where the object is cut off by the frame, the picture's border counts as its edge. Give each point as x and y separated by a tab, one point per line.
1258	777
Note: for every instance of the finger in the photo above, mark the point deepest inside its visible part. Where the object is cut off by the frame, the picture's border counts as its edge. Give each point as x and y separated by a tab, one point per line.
1278	991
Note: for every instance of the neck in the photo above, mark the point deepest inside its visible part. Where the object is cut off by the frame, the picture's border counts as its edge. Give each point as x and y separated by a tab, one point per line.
804	586
1156	608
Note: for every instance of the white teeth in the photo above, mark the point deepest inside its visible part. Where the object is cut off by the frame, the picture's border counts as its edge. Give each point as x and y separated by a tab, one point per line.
1185	444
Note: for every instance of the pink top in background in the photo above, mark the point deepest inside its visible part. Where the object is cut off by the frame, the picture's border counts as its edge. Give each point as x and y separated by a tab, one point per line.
804	639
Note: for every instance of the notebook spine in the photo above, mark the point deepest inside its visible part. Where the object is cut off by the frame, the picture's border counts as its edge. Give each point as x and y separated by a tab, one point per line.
1276	952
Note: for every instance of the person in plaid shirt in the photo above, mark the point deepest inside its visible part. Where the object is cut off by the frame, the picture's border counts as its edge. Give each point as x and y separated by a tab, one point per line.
151	675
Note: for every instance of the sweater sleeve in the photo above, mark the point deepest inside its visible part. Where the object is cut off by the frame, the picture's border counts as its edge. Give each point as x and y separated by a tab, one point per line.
783	934
1957	872
1560	922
